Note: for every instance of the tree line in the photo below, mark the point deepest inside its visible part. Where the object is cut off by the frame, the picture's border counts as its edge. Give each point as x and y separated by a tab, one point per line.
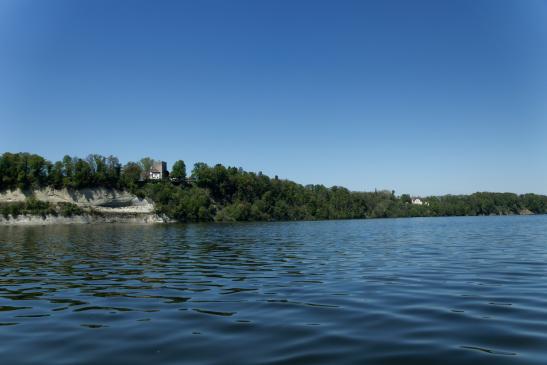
231	194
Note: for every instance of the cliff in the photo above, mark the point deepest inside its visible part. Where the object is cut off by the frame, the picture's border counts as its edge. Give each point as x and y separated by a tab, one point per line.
96	205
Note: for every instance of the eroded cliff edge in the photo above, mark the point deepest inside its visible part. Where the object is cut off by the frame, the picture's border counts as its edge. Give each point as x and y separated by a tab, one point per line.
90	205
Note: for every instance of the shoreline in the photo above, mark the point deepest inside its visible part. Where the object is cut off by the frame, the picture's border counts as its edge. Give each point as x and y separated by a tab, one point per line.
146	219
86	218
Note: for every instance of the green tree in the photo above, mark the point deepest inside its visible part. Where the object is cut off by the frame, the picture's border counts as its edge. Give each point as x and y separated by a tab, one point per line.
56	176
113	171
83	175
178	171
68	168
131	174
146	164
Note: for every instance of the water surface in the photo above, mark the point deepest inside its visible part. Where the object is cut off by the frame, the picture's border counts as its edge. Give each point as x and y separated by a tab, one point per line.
391	291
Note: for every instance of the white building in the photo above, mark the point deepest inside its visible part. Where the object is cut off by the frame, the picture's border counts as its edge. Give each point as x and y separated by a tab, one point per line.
417	201
158	171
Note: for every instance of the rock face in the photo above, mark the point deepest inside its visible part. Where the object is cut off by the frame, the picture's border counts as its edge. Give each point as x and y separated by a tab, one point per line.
100	204
96	197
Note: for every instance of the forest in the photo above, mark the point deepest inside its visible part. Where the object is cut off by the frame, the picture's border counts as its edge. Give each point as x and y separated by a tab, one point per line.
224	194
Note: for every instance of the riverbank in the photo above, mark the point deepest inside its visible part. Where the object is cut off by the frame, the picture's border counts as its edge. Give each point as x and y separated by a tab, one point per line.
86	218
114	215
49	206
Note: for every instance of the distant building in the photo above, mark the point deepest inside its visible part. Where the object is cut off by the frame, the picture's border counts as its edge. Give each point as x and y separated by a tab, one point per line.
158	171
417	201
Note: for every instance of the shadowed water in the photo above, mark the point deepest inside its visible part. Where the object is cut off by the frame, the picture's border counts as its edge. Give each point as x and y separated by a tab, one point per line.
393	291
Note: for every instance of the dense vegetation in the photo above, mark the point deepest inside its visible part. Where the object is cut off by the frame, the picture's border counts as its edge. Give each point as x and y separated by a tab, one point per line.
232	194
36	207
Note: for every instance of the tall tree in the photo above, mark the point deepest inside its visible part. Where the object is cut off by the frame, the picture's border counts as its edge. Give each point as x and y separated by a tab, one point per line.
56	175
37	171
113	170
131	174
179	171
146	165
83	175
68	167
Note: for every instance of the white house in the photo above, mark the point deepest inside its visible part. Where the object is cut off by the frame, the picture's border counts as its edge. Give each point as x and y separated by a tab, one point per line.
417	201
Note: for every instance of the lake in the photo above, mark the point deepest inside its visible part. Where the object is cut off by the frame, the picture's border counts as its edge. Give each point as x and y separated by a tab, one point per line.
386	291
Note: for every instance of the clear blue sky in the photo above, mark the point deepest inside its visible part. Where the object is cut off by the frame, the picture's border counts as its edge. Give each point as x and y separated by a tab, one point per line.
424	97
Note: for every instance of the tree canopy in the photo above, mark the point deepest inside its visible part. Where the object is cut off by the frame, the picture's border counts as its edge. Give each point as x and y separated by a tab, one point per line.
178	172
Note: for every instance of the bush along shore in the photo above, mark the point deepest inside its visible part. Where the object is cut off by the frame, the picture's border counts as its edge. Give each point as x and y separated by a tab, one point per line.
219	193
35	207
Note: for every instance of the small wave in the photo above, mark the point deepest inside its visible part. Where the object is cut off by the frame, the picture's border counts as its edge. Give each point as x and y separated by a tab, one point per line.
489	351
215	313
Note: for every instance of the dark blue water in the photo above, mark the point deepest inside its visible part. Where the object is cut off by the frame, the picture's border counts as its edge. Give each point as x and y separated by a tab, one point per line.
394	291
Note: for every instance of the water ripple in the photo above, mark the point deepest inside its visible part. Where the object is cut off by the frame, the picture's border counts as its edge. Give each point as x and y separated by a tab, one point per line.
393	291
